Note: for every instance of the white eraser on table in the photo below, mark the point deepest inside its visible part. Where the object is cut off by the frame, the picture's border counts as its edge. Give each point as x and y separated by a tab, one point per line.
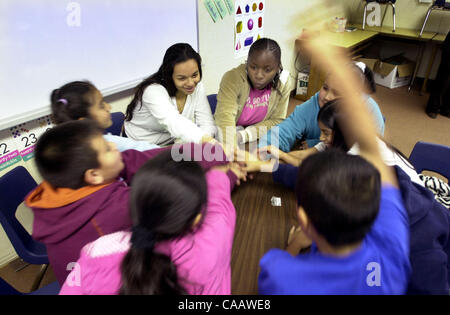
276	201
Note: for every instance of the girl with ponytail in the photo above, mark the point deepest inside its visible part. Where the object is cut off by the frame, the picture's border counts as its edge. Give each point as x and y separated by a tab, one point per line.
181	240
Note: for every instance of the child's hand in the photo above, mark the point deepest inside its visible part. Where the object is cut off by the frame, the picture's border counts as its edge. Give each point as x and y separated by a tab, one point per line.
251	163
297	240
239	171
272	150
259	166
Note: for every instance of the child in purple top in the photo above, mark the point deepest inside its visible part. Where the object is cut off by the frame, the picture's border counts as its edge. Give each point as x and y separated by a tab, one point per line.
85	190
181	241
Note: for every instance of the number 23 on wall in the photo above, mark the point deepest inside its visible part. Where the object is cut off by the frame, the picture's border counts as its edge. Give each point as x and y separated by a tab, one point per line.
29	140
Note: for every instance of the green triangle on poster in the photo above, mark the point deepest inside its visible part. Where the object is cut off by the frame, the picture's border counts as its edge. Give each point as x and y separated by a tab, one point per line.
239	11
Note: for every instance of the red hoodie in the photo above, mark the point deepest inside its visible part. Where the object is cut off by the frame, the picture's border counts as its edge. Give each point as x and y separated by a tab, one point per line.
67	219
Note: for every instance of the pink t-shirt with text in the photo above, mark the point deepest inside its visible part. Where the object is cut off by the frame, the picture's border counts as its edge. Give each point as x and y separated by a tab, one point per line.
255	110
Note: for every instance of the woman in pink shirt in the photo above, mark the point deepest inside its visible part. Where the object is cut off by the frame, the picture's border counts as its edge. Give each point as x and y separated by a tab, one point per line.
181	241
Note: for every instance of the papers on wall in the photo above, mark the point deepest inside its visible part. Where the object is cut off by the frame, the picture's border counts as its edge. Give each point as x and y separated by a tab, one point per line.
248	26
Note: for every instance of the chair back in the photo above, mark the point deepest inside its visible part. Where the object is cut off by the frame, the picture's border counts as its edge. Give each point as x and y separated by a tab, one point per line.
7	289
50	289
433	157
212	99
117	123
14	186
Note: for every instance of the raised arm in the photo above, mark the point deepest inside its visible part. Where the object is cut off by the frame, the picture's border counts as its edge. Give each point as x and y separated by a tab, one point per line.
357	124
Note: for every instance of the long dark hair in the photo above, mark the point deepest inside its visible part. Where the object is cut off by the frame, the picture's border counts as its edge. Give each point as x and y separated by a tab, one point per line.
72	101
329	116
166	197
267	44
175	54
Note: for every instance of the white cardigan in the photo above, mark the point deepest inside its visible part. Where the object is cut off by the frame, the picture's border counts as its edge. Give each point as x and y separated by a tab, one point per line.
389	157
158	120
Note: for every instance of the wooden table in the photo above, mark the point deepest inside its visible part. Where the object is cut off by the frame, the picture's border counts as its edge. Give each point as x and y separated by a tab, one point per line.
259	227
399	32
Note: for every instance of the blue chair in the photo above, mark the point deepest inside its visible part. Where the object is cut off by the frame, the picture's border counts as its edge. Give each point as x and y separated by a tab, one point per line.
212	99
431	157
50	289
116	127
14	186
391	2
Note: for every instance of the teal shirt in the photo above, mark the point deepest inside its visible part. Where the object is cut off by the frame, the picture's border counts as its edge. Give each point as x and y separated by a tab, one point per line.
302	124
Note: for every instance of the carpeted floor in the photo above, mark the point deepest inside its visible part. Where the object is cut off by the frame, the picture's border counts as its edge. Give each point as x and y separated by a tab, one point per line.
406	123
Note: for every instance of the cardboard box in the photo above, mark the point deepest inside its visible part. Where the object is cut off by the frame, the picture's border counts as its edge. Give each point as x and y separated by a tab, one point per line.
370	62
392	73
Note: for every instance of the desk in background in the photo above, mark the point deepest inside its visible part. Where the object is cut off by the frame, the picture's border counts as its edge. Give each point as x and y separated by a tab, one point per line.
356	41
259	227
351	41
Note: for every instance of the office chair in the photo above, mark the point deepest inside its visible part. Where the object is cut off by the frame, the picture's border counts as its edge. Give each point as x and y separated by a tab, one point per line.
391	2
212	99
437	5
14	186
431	157
116	127
50	289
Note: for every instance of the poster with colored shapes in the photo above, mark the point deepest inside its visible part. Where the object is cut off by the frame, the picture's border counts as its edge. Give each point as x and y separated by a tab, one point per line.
26	135
248	26
9	155
212	10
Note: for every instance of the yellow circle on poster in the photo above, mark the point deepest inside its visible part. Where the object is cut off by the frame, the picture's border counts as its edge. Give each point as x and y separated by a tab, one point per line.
254	7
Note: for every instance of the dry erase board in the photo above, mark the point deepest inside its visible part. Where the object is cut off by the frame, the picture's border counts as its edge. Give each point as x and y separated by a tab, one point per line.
112	43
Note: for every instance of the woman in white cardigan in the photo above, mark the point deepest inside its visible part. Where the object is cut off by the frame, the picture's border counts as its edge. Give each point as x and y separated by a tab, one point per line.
171	104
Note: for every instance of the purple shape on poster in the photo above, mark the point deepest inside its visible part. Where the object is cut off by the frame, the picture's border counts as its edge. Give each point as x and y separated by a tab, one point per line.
248	41
250	24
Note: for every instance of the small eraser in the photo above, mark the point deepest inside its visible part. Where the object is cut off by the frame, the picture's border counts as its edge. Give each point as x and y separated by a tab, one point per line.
276	201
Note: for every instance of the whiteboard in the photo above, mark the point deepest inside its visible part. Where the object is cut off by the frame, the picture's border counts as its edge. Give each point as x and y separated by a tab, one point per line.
112	43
